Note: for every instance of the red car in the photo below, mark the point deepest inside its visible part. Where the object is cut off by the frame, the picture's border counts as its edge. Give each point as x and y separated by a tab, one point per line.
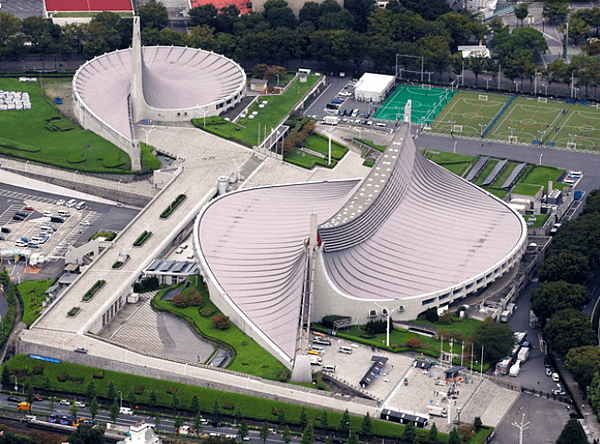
29	208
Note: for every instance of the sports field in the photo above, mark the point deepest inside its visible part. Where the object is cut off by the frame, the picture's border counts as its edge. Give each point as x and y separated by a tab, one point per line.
552	123
468	113
426	102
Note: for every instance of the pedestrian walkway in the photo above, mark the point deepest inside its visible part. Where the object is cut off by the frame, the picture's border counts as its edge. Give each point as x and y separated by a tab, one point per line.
139	331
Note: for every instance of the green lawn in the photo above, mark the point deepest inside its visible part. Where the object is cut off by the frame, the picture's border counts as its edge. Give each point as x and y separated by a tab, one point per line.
540	220
456	163
526	189
485	172
30	135
510	166
320	144
373	145
33	294
246	130
540	175
307	160
250	357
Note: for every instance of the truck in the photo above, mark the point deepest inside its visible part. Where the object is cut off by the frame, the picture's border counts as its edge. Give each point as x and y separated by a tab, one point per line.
331	120
523	354
316	360
24	406
438	410
503	366
515	369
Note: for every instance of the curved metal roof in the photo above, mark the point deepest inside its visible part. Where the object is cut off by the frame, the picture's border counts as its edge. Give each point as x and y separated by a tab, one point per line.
173	78
253	243
420	230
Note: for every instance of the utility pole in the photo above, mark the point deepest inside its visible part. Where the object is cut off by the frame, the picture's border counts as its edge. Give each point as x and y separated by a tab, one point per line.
523	426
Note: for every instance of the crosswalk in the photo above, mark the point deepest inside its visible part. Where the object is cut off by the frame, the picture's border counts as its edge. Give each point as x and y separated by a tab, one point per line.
11	194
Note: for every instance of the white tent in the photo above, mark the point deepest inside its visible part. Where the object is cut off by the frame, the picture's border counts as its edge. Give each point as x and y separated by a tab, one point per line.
373	87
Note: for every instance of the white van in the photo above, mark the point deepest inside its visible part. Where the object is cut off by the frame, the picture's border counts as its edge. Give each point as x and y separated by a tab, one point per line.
71	203
80	205
45	229
329	368
316	360
345	349
63	213
318	349
381	125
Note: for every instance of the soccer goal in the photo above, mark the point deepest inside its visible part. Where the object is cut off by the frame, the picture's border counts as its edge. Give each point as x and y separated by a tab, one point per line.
512	139
457	128
483	97
428	87
571	145
542	100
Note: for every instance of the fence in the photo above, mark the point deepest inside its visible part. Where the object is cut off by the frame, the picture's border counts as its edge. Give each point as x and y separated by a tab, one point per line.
497	116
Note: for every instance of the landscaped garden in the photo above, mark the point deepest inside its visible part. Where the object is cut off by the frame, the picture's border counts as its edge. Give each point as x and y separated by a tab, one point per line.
41	134
33	293
248	357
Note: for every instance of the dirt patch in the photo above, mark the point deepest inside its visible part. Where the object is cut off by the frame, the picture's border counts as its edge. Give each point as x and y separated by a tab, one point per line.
61	88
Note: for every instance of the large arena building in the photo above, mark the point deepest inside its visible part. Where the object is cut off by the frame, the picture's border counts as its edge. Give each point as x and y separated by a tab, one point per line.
116	91
408	237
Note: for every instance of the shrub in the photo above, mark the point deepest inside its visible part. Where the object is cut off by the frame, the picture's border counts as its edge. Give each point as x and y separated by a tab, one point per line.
98	375
73	311
228	406
446	318
330	319
375	327
285	375
146	284
76	158
63	377
179	301
171	390
414	343
117	264
368	163
142	238
139	390
431	315
172	206
221	322
207	311
38	370
189	297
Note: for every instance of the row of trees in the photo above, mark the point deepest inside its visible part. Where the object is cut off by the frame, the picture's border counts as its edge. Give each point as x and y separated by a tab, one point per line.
572	258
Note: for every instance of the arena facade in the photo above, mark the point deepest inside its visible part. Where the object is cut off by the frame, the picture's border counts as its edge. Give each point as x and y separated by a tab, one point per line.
408	237
118	90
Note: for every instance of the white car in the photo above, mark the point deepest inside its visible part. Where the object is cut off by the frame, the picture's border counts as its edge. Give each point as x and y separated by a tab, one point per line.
47	214
86	222
65	402
60	202
125	411
79	404
555	377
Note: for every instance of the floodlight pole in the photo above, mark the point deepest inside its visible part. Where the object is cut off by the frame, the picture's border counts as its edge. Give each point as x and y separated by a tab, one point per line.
455	142
541	155
521	427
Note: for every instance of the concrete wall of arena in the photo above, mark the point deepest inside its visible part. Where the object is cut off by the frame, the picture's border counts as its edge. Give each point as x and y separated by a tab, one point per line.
89	120
328	300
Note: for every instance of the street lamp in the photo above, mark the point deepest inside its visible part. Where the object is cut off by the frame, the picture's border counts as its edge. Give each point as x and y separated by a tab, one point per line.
121	401
387	313
149	131
16	385
455	142
541	155
26	165
481	128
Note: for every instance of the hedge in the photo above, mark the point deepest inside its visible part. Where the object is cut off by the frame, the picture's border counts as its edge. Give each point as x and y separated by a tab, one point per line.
172	206
92	291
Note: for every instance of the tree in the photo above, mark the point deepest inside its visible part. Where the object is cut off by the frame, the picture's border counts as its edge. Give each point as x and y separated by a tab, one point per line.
198	423
114	411
175	402
204	15
572	267
353	439
195	404
221	322
569	329
325	420
454	437
366	428
90	390
308	435
30	394
153	16
432	436
152	399
555	11
303	419
131	399
263	432
583	363
74	410
216	409
51	405
9	27
477	424
572	433
281	418
409	433
111	391
521	11
243	430
286	436
178	422
6	375
344	424
86	434
551	297
94	408
497	339
278	13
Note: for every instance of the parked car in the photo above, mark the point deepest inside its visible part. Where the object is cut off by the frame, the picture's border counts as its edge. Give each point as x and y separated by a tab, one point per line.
81	350
29	208
79	404
546	361
216	424
65	402
54	418
125	411
549	372
60	202
13	399
555	377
